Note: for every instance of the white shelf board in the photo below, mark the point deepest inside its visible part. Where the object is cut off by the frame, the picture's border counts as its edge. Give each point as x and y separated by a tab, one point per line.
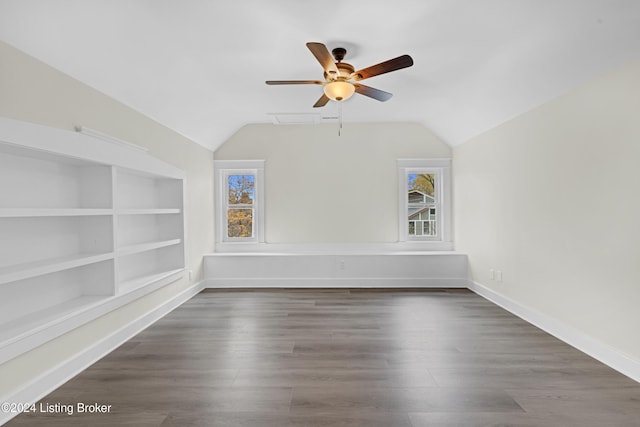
144	247
94	179
16	329
51	212
51	265
84	148
143	281
148	211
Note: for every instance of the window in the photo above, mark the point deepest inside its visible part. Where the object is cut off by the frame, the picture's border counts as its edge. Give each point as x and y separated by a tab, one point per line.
421	204
424	188
239	207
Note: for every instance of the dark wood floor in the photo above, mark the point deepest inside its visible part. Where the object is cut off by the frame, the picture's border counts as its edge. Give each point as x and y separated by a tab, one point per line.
346	358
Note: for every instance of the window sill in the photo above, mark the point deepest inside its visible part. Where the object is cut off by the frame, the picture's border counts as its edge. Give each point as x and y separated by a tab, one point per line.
334	248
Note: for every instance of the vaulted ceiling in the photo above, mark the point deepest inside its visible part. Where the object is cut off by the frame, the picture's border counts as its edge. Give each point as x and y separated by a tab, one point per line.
199	66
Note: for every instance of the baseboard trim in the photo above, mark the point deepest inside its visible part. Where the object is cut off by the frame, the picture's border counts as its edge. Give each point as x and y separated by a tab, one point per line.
596	349
60	374
45	332
55	377
334	282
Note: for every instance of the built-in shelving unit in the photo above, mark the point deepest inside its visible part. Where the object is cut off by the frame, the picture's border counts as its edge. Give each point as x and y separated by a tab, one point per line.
85	227
149	228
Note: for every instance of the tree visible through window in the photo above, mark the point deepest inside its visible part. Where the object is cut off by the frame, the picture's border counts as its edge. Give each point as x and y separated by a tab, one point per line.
239	213
240	206
421	197
424	202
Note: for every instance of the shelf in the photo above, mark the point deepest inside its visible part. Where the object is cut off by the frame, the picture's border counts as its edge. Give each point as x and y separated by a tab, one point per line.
49	212
37	179
141	192
148	211
143	281
86	226
38	268
144	247
17	328
133	230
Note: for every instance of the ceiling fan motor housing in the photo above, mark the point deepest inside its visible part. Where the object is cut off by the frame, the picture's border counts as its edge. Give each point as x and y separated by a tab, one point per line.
344	72
339	53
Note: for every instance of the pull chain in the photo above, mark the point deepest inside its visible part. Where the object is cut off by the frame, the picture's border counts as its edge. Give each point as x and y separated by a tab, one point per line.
339	118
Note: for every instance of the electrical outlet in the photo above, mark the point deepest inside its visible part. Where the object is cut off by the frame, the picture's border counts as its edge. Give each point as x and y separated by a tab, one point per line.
499	275
492	274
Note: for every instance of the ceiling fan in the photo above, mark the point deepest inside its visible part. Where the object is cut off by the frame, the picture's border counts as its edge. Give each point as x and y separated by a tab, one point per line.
340	78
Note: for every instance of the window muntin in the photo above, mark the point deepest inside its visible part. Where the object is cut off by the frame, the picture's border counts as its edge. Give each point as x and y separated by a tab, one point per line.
422	203
240	209
239	201
424	213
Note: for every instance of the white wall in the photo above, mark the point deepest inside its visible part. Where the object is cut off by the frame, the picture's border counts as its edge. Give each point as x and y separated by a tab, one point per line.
325	188
32	91
551	199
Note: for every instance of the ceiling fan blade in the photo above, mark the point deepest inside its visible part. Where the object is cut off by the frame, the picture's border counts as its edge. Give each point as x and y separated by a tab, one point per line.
378	94
394	64
322	101
294	82
323	56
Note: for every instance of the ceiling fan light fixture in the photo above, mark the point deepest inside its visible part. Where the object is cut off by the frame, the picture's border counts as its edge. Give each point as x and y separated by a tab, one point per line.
339	90
340	78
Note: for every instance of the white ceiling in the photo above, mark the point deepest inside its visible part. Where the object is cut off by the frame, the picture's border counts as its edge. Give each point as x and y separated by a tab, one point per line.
199	66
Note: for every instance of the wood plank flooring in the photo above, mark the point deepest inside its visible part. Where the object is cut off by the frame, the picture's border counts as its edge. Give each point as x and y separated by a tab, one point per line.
345	358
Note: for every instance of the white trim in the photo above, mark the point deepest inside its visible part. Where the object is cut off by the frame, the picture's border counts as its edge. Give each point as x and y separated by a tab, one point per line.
334	282
568	334
222	168
442	169
334	248
58	375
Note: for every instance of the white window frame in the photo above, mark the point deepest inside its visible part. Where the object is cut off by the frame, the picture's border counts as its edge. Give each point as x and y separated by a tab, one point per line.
441	168
225	168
